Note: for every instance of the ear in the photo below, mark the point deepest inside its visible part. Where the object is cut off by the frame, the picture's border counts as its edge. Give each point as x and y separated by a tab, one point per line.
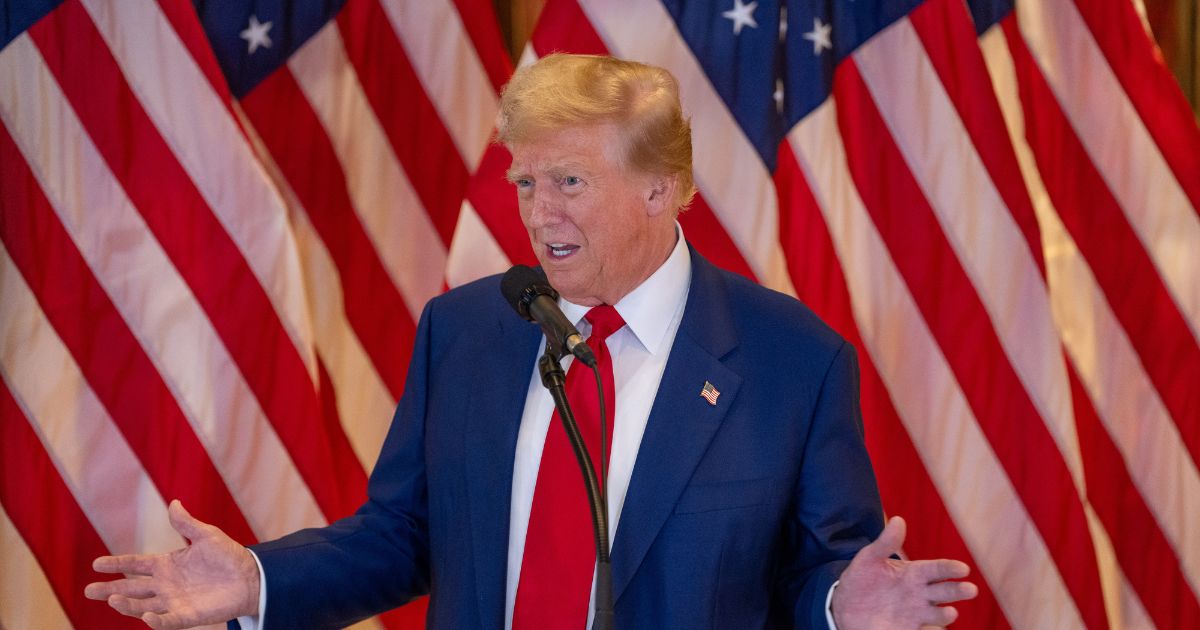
660	194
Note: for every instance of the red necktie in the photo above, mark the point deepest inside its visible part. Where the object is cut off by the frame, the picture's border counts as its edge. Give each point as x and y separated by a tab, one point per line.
560	548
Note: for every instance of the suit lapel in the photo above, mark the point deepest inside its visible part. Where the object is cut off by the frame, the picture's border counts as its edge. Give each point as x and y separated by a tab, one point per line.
681	422
497	382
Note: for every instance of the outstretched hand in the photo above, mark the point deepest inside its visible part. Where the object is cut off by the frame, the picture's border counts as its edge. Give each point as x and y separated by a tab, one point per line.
877	591
211	580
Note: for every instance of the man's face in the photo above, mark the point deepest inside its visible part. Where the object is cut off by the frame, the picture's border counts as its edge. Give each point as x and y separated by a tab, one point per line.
597	229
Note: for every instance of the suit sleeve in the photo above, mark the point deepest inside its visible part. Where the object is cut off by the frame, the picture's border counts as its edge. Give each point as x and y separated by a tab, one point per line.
837	509
376	559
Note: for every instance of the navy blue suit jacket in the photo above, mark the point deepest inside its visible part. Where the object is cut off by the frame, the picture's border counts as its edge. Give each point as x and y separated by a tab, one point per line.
738	515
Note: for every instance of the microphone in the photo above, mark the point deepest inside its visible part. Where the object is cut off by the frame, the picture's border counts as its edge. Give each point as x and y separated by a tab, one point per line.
534	299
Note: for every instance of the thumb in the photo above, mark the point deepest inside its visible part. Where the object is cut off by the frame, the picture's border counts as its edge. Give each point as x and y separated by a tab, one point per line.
183	522
890	540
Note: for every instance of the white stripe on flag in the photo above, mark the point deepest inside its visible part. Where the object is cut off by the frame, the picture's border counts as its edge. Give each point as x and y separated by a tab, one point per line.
974	486
154	301
1121	603
977	223
1119	145
202	134
448	65
364	403
384	200
1108	366
92	457
26	598
474	252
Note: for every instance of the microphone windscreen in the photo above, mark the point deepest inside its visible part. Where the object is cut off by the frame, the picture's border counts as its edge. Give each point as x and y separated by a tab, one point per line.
515	282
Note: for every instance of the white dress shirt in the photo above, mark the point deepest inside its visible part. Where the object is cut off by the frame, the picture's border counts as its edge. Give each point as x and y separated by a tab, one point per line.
639	351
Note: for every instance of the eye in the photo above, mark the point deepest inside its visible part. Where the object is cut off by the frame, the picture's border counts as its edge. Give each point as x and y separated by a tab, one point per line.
571	181
523	183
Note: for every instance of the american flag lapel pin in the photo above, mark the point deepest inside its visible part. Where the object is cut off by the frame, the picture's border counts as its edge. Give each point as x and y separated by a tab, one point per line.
709	393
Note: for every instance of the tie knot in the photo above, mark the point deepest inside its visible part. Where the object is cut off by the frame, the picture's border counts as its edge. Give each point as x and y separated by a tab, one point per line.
605	321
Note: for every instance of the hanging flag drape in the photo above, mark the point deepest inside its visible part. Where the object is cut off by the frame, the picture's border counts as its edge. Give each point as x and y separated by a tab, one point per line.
219	222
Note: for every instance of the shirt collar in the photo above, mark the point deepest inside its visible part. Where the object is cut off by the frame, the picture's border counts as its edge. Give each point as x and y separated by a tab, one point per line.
650	308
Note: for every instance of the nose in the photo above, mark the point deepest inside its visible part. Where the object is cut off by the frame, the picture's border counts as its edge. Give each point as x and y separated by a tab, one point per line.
543	208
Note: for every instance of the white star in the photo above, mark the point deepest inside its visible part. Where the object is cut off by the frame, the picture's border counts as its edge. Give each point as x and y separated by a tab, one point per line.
256	35
742	15
820	36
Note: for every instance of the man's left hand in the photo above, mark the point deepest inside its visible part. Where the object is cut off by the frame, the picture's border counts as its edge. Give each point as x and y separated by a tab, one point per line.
878	591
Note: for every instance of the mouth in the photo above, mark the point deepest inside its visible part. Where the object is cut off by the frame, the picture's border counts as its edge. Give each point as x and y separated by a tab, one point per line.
560	251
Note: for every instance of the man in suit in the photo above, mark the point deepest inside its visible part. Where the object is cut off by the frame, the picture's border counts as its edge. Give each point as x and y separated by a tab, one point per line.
739	486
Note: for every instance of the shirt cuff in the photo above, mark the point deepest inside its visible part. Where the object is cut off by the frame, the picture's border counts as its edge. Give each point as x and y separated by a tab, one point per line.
255	622
828	608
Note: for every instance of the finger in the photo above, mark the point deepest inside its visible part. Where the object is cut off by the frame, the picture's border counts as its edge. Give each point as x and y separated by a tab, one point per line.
939	616
889	542
183	522
132	564
946	592
939	570
136	607
98	590
137	587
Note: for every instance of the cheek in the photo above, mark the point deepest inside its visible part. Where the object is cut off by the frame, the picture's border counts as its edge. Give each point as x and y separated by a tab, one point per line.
524	208
615	226
596	220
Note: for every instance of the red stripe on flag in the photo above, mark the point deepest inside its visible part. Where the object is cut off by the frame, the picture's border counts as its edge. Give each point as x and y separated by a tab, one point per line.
479	20
50	521
959	322
416	133
292	133
495	201
345	471
1136	293
109	356
948	35
410	616
705	232
203	254
563	27
1146	557
1153	90
904	484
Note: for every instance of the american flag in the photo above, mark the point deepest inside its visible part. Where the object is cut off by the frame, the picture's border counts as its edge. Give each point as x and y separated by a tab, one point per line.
219	222
709	393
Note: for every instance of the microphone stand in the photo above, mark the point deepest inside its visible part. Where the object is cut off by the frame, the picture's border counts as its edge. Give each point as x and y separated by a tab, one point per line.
554	380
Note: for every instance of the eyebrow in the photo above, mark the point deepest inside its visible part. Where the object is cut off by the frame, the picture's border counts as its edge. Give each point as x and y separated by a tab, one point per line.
513	173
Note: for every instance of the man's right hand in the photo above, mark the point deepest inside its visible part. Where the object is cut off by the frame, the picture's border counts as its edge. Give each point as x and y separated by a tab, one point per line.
212	580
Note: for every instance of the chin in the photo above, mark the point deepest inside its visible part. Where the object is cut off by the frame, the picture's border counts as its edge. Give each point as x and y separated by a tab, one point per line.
556	273
565	287
562	284
572	283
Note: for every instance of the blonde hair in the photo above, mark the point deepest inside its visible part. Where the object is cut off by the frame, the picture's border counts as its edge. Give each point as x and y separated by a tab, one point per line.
642	100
